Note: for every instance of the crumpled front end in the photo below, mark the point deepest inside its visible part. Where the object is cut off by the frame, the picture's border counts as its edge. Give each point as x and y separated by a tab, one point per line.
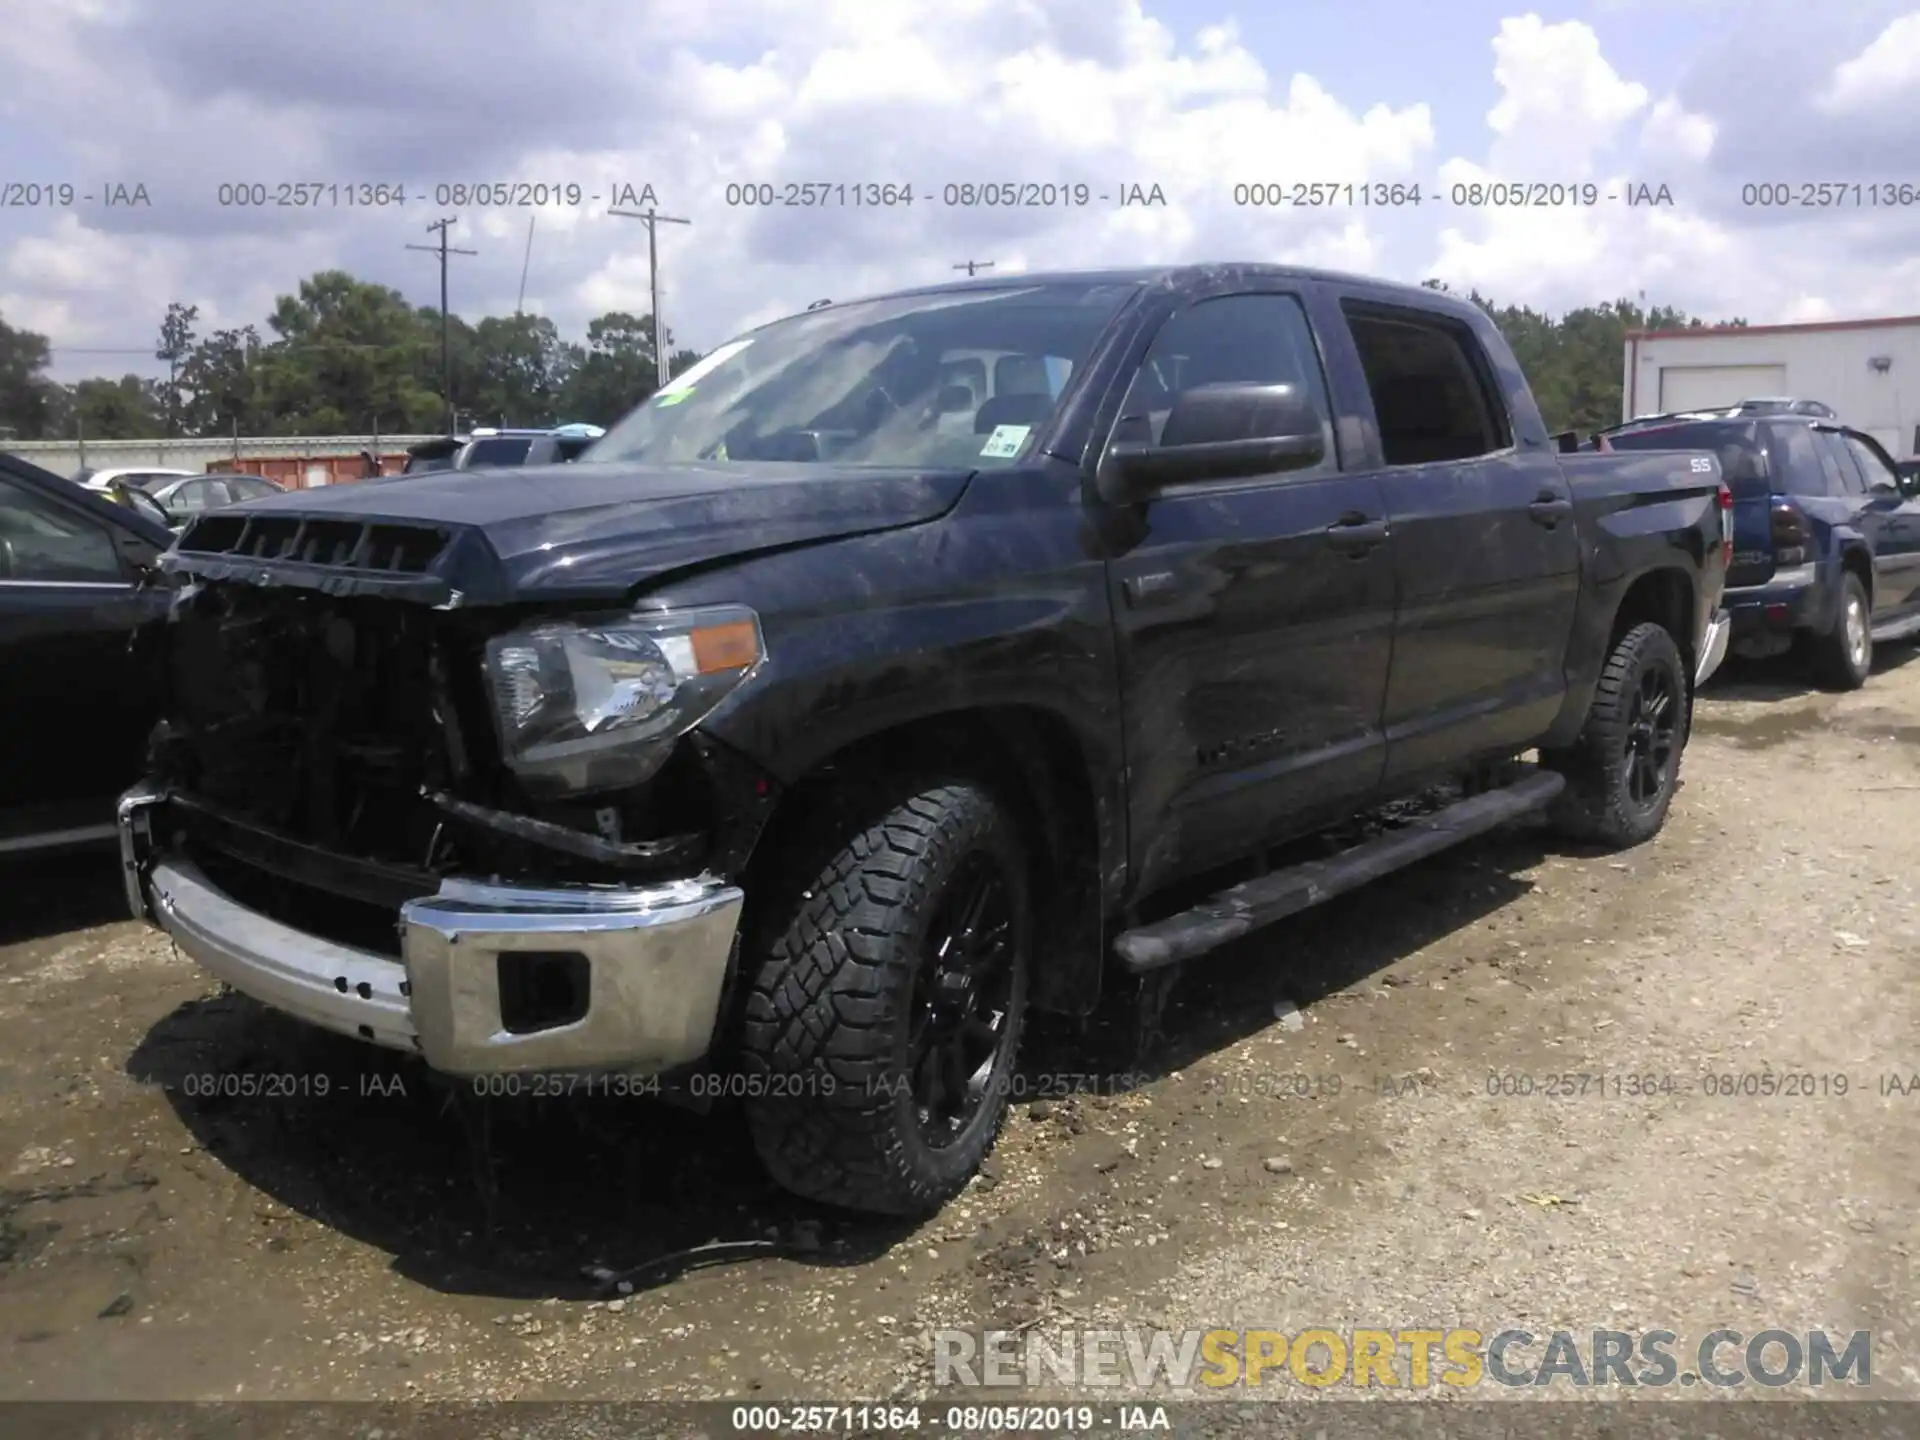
328	828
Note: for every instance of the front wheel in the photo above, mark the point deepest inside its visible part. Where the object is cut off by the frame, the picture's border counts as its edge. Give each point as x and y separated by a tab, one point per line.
1623	770
884	1019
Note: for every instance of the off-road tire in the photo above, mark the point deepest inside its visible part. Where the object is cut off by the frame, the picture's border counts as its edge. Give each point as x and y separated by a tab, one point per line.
825	1033
1597	806
1837	662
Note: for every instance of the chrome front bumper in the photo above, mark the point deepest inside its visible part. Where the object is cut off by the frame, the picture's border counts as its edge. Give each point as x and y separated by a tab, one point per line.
657	959
1713	647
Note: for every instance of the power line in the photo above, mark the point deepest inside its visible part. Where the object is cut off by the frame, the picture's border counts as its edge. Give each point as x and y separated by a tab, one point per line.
654	220
443	251
972	265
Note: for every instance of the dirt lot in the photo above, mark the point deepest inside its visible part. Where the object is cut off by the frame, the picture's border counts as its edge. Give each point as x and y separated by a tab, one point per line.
1342	1165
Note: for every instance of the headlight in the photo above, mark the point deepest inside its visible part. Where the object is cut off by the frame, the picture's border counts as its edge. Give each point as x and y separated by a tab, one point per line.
598	706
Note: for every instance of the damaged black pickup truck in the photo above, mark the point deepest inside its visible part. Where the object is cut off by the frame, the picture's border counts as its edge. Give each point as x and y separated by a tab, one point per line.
883	676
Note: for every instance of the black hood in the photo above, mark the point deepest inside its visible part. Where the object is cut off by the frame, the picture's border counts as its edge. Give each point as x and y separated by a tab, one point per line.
553	532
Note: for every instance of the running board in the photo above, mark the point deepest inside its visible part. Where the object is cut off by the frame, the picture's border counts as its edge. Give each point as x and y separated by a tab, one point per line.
1896	629
1244	908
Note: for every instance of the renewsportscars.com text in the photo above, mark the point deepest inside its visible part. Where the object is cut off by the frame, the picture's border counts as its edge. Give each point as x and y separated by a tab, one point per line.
1144	1359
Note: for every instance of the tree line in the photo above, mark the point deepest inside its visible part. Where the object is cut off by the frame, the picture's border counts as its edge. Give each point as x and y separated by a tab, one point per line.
340	357
348	357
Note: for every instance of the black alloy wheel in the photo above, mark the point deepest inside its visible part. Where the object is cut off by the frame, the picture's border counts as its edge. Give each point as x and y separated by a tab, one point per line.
963	1000
1652	734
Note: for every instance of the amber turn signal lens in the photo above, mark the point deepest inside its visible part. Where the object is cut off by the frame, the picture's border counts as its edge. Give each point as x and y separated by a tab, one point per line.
725	647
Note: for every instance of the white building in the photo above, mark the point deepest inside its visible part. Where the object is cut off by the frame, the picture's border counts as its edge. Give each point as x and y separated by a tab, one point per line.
1867	370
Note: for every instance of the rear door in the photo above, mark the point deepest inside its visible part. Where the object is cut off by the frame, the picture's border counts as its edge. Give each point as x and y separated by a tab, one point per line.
1485	551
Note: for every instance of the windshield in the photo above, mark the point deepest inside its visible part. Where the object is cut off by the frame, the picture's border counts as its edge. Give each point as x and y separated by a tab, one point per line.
501	450
957	379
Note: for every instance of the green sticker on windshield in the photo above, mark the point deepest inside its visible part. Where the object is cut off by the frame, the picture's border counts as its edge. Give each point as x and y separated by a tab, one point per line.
673	397
1005	442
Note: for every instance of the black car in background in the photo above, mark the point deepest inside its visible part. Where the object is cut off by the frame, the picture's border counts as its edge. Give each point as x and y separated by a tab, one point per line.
1826	536
78	581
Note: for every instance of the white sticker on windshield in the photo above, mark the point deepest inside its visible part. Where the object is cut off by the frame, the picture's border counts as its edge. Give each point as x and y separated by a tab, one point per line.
1005	442
690	377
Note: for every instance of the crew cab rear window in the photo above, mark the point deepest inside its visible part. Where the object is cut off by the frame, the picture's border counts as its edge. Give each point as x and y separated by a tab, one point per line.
1433	391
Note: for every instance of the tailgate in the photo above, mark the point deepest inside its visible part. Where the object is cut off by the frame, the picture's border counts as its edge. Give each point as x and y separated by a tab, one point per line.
1752	530
1743	468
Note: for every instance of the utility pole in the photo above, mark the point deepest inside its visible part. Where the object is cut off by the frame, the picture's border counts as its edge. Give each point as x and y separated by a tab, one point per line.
972	265
443	251
654	220
525	261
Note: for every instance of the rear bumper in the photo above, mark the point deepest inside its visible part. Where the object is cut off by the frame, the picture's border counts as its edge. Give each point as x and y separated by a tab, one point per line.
1713	647
655	959
1789	601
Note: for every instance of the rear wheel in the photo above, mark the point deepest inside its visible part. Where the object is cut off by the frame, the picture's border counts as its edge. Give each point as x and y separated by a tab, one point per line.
1843	657
885	1017
1623	770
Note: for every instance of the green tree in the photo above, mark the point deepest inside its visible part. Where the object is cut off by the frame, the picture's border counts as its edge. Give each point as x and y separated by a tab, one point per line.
348	357
176	343
219	378
519	370
27	403
130	408
617	371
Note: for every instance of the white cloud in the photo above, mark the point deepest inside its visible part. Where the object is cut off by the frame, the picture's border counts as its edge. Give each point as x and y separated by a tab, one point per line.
1672	130
1887	71
1560	100
1095	93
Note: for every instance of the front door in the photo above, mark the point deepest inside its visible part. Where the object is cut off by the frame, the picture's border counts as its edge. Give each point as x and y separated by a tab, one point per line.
1255	615
75	705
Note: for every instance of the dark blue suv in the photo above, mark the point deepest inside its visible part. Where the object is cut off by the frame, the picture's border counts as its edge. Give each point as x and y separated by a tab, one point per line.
1826	535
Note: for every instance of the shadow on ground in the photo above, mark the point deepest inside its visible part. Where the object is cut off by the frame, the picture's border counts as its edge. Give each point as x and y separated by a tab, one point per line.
562	1197
1786	678
49	895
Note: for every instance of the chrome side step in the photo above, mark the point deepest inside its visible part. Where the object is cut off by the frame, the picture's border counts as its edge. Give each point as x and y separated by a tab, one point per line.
1247	907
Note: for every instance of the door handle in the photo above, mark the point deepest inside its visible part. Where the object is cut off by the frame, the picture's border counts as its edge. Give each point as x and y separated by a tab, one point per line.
1549	510
1356	534
1151	588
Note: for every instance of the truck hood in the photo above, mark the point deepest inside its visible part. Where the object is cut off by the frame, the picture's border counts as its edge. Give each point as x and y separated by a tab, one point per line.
582	531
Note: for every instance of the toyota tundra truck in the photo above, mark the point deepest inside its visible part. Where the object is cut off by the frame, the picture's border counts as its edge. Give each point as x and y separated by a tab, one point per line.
878	682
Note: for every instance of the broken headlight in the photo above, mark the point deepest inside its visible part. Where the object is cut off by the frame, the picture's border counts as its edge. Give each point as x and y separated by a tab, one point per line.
584	707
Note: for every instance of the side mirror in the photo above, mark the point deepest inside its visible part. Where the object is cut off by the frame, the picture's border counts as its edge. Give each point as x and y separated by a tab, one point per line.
1215	432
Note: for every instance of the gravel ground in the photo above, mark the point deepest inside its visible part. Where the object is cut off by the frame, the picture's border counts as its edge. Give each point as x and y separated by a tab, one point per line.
1350	1125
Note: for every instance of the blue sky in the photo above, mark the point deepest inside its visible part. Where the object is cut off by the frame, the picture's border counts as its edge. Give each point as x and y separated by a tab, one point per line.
186	95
